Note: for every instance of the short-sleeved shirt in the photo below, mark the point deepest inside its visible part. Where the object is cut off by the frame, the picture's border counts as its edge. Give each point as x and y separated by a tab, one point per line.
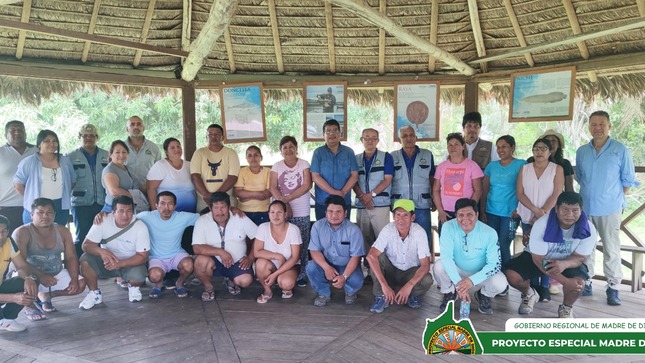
289	180
125	180
270	244
9	196
165	236
176	181
140	162
337	245
456	181
502	194
560	251
247	180
136	239
215	167
237	230
334	168
7	252
403	253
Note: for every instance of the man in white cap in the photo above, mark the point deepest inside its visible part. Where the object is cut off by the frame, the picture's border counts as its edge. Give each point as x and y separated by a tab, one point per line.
400	257
88	195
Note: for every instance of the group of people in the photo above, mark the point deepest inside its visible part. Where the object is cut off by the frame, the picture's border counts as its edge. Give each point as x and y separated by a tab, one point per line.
481	193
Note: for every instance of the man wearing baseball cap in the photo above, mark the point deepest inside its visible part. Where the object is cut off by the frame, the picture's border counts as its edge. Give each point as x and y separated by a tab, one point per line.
400	259
88	195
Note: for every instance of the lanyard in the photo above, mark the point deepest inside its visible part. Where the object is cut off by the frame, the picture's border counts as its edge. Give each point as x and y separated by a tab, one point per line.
222	232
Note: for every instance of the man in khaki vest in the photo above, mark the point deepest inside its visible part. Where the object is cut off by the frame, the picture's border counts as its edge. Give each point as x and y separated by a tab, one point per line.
480	151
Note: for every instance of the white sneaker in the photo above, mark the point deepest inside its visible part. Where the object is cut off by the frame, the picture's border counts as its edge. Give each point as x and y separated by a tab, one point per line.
134	294
90	300
11	325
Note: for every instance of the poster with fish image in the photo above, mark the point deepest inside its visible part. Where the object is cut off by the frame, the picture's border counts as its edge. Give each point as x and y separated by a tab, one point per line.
242	108
545	95
416	104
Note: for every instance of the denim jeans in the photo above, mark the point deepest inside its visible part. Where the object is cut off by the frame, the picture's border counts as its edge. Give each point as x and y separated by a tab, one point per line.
258	217
62	215
83	219
422	218
501	225
319	282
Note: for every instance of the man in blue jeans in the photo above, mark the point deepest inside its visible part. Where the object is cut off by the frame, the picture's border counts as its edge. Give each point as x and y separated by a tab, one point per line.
336	248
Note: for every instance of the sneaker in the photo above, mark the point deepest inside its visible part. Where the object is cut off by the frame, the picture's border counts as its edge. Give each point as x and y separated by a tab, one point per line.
543	292
322	300
91	299
134	294
414	302
484	303
503	293
169	284
11	325
350	299
565	312
302	282
612	297
451	296
587	291
379	304
526	306
554	289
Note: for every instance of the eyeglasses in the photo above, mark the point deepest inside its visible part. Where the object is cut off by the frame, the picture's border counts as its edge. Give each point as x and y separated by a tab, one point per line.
464	246
54	174
332	131
540	148
370	139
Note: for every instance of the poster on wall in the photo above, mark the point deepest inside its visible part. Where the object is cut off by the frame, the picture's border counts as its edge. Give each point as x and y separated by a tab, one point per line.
323	101
242	108
545	95
416	104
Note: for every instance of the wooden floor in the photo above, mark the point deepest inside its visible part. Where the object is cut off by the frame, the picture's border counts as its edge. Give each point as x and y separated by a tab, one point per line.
237	329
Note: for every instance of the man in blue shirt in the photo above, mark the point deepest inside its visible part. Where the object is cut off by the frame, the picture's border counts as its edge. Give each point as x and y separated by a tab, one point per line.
336	248
605	172
334	170
469	257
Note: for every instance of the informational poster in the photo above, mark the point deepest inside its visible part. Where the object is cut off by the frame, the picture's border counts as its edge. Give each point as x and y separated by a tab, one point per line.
542	95
416	104
324	101
242	108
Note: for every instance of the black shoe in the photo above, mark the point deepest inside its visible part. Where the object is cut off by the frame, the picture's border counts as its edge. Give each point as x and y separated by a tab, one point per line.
368	280
612	297
451	296
543	292
484	303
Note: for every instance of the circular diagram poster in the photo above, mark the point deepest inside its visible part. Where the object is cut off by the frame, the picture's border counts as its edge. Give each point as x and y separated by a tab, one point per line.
417	105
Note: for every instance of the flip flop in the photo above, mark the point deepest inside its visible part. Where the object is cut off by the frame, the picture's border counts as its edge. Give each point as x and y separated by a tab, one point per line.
155	293
35	315
45	306
263	299
233	290
287	294
208	295
181	292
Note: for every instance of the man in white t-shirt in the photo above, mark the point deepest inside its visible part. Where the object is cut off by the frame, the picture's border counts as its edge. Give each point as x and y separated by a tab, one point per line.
118	247
559	244
222	243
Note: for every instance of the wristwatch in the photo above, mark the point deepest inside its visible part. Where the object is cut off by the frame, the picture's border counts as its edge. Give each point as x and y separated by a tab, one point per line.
373	194
32	277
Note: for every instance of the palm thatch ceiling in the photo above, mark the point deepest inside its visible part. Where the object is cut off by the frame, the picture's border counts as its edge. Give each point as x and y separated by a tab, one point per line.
369	43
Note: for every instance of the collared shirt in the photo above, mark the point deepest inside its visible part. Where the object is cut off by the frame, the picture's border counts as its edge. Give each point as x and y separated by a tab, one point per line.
603	175
477	252
9	197
337	245
403	253
334	168
235	233
91	159
140	162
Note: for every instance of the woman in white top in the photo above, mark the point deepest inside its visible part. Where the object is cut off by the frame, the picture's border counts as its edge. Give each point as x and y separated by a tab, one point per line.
290	182
277	253
172	174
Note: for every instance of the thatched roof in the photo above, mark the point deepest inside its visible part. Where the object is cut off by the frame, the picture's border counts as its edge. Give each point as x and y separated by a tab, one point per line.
286	42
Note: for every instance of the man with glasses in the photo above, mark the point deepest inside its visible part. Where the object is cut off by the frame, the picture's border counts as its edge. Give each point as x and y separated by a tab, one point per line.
214	168
334	170
375	172
88	194
470	257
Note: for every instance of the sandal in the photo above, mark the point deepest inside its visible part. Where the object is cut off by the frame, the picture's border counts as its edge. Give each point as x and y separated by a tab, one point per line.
233	290
155	293
35	315
45	306
262	299
122	284
208	295
181	292
287	294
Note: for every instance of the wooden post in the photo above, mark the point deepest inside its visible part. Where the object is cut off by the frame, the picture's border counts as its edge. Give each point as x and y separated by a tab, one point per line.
188	112
471	97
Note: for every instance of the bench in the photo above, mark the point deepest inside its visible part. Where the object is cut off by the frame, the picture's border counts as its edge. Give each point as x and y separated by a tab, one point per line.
637	264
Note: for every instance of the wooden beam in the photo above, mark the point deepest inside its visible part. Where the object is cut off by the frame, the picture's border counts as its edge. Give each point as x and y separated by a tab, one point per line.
189	124
220	17
276	36
329	23
518	30
471	97
229	52
473	11
628	25
641	7
90	37
186	25
7	2
434	31
22	35
575	26
144	31
90	30
381	39
363	10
